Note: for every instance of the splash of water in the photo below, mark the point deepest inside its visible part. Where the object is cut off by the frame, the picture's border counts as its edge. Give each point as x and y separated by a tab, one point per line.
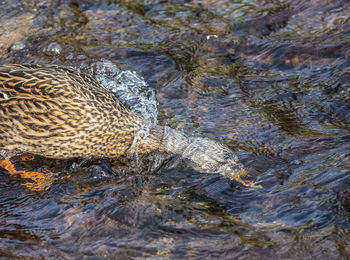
201	154
130	88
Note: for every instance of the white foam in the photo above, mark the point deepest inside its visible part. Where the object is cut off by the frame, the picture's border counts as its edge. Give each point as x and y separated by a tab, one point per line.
130	88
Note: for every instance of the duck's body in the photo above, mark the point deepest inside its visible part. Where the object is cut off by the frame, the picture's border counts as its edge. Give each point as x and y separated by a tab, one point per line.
62	113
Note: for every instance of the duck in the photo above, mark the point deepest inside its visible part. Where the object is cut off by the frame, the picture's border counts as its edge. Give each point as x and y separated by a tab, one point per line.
61	113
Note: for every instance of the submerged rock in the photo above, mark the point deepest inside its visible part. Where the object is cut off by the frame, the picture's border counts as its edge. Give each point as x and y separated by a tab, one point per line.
20	45
53	49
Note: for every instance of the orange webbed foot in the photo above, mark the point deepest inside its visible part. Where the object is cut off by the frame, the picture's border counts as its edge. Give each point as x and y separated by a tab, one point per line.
37	180
237	178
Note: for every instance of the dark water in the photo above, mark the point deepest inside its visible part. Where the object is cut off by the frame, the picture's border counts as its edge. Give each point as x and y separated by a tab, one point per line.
270	79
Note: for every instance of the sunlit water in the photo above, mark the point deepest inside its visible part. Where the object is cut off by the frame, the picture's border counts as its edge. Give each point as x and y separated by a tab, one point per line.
269	79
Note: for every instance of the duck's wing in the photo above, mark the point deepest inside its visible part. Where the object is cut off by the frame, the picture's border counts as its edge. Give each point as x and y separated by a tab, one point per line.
54	82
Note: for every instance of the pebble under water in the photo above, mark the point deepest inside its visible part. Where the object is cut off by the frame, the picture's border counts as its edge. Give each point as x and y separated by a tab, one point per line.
269	79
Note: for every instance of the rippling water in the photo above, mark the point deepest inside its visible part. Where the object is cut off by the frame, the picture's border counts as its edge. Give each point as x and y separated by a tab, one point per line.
267	78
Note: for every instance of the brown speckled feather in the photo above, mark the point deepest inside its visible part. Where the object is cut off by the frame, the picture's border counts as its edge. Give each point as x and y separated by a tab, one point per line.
60	112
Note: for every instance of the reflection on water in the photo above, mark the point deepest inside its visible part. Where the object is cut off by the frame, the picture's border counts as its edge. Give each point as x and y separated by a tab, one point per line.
269	79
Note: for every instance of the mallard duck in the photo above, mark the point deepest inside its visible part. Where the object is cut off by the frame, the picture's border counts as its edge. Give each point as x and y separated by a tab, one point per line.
62	113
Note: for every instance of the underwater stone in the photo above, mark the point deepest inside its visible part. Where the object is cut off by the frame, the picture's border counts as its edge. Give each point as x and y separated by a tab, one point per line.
53	49
18	46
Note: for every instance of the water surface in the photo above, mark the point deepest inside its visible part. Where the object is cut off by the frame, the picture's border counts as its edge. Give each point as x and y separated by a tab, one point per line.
267	78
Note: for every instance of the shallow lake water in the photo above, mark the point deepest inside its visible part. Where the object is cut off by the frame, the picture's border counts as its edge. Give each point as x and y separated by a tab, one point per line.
269	79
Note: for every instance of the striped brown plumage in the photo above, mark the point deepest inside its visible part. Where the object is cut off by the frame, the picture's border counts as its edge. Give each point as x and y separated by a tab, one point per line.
59	112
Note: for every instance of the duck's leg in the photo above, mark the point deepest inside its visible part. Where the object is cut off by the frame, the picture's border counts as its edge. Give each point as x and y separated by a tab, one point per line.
83	162
38	180
99	166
